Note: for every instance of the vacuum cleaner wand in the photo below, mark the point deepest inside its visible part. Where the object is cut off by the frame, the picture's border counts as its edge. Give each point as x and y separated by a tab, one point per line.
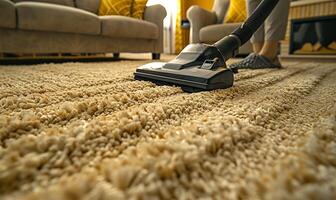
196	68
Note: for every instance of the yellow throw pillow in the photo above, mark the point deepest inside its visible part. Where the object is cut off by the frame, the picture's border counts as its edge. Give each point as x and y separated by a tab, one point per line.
138	8
115	7
237	11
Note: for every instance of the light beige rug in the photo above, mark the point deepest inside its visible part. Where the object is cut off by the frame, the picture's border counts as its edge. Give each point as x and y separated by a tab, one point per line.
89	131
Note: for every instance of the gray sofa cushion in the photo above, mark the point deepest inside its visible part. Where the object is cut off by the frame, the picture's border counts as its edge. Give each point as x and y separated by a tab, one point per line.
59	2
88	5
7	14
217	31
127	27
48	17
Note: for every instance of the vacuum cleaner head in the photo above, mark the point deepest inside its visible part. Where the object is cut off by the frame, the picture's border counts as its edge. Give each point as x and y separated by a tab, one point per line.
193	79
198	67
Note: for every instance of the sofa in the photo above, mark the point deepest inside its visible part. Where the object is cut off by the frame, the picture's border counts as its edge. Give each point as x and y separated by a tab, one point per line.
208	27
73	26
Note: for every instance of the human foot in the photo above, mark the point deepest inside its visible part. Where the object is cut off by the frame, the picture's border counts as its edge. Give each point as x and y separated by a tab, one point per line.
254	61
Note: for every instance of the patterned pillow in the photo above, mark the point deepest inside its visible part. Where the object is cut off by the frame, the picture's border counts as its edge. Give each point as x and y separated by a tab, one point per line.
237	11
115	7
138	8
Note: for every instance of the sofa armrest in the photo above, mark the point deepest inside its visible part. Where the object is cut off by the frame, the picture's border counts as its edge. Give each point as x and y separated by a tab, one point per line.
156	14
199	18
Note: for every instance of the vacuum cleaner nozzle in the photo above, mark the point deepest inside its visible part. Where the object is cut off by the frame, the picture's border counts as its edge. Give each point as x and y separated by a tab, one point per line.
192	79
196	68
202	67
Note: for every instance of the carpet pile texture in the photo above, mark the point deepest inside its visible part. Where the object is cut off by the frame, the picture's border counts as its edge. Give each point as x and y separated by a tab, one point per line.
89	131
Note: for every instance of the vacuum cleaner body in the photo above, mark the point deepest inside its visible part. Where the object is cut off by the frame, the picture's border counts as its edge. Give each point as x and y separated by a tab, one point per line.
202	67
198	67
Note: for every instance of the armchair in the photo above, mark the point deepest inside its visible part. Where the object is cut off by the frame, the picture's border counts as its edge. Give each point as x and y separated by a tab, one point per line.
208	27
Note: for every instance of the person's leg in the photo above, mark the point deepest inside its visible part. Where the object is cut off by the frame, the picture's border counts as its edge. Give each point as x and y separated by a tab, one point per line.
257	47
266	44
257	39
270	49
275	29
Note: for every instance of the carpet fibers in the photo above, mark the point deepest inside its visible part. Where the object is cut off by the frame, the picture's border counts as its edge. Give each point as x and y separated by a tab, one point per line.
89	131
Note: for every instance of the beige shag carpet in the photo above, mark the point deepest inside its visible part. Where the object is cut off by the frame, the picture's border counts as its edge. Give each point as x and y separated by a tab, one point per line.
89	131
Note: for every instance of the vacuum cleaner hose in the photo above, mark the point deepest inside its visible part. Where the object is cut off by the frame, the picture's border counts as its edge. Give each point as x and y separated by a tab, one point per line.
230	44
